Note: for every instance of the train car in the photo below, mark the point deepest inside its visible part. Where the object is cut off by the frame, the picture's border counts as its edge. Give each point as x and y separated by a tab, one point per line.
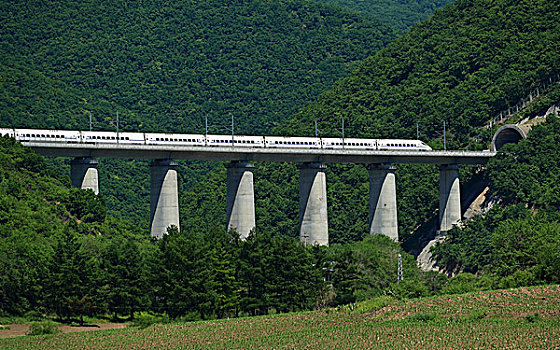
292	142
402	145
235	141
349	144
96	137
38	135
175	139
7	132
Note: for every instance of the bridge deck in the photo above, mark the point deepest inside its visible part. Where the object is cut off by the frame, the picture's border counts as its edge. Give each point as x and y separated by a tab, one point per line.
228	153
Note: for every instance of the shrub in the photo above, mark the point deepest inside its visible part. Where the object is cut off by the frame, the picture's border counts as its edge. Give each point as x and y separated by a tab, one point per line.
372	305
462	283
407	289
43	328
146	320
31	316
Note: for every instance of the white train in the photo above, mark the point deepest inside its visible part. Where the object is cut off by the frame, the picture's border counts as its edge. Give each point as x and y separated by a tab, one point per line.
101	137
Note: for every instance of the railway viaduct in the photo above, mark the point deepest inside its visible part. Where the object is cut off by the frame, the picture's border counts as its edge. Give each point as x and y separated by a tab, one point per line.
240	207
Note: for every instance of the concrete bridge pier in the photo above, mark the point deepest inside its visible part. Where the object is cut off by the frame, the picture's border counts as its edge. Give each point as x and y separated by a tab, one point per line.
383	201
313	222
449	197
240	201
83	173
164	198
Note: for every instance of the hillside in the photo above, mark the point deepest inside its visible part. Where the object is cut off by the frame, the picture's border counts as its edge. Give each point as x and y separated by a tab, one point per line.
465	64
61	257
396	14
166	65
519	239
53	236
525	318
471	60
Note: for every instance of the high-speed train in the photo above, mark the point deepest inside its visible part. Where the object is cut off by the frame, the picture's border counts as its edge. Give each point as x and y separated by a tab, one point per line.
105	137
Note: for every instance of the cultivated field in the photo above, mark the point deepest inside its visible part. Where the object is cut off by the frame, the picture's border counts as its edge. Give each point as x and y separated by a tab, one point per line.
525	318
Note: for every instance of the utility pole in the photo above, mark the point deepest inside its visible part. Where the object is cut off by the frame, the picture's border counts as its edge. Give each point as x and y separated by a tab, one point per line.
342	132
232	133
444	138
117	126
315	128
90	127
417	130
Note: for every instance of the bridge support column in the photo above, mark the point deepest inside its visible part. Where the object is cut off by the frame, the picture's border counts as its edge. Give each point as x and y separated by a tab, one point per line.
83	173
164	198
449	197
383	201
240	201
313	222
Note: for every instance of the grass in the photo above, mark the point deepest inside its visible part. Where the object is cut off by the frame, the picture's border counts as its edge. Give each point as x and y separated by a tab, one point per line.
524	318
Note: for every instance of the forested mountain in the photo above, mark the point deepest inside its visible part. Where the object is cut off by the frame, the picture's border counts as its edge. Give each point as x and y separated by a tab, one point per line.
61	256
165	65
470	60
61	253
399	14
519	239
465	64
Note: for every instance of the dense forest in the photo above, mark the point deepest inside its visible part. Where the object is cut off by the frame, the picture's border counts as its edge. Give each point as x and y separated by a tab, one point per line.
518	239
61	255
450	68
165	66
396	14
